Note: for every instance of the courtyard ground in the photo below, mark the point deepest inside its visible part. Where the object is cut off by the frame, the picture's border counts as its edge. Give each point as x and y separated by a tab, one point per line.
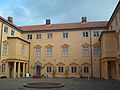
70	84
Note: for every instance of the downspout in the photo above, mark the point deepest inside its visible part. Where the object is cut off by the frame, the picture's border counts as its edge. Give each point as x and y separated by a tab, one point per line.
100	57
91	54
1	41
29	58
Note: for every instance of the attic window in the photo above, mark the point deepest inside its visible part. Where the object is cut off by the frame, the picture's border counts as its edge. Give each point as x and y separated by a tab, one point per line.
12	33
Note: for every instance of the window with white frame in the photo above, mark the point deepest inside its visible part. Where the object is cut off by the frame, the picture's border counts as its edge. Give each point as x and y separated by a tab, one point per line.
5	49
65	35
73	69
6	29
50	36
86	69
65	51
49	51
85	34
49	69
12	33
37	52
85	51
22	50
3	68
119	68
60	69
96	33
38	36
29	36
96	51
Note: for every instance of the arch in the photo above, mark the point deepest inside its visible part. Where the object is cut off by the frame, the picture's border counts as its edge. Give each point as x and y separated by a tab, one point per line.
96	44
65	45
60	64
85	45
49	46
37	46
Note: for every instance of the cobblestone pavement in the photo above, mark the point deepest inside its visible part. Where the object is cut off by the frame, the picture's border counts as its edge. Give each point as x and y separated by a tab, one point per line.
70	84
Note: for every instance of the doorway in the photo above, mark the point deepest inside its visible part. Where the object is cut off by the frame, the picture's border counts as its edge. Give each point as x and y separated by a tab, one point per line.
38	70
111	70
11	72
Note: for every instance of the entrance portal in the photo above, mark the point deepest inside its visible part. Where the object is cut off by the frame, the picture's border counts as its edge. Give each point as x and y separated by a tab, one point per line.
38	70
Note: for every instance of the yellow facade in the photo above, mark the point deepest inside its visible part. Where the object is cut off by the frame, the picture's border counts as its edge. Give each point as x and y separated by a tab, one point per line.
20	55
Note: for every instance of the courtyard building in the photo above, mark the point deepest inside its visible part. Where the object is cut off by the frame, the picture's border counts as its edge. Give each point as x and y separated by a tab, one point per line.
83	49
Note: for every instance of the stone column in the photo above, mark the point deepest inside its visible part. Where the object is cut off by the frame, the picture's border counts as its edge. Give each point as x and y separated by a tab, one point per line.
14	70
23	69
18	69
7	69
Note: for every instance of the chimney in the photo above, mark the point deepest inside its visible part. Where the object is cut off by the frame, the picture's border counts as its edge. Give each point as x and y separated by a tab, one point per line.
84	19
10	19
48	21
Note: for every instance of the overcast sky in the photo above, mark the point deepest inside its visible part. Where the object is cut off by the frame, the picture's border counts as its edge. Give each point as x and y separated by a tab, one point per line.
35	12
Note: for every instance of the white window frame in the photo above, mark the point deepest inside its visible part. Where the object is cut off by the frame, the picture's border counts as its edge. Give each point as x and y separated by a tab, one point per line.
86	69
3	68
49	69
96	33
37	52
65	51
49	51
61	69
65	35
72	69
85	51
38	36
23	50
49	35
29	37
5	49
96	51
85	34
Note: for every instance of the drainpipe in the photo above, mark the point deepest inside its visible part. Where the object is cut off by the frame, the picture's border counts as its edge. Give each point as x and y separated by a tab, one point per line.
91	54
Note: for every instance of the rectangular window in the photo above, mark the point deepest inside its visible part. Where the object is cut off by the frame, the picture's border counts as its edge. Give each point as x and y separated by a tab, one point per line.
12	33
60	69
49	51
96	33
85	34
49	69
3	68
29	37
73	69
96	51
119	68
5	49
6	29
38	36
37	52
86	69
50	36
85	51
65	51
23	50
65	35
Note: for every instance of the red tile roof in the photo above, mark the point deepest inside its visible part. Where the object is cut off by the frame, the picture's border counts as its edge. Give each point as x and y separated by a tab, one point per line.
65	26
